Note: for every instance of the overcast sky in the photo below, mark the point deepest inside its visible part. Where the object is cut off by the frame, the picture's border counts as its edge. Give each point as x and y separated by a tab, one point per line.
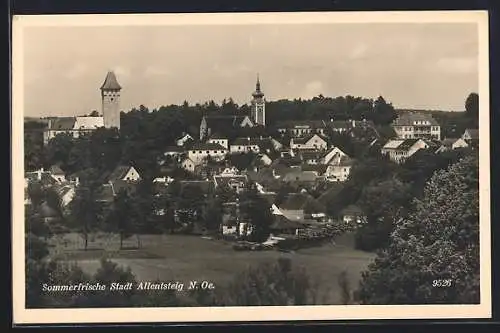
431	66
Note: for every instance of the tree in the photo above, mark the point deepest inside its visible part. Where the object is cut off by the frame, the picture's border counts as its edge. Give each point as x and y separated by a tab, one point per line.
472	106
384	203
85	211
256	211
123	216
383	112
58	149
438	241
277	283
213	214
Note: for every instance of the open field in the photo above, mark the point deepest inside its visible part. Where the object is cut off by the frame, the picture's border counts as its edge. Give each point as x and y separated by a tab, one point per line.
185	258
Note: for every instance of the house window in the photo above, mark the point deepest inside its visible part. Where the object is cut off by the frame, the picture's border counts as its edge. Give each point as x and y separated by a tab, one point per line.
208	152
199	152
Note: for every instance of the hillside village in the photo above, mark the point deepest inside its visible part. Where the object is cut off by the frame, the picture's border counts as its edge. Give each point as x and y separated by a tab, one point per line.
293	166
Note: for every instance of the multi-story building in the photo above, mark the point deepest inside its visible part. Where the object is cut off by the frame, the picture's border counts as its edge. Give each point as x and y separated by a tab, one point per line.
415	125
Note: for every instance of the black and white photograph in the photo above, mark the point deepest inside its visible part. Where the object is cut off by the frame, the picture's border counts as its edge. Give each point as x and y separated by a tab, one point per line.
250	167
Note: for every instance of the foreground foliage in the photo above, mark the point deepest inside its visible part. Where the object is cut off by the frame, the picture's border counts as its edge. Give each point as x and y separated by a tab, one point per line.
433	256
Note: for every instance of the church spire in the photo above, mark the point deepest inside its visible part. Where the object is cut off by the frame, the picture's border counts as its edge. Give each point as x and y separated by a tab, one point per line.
258	93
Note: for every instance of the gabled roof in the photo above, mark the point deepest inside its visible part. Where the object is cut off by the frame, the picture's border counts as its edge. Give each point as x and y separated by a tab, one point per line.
227	180
62	123
310	154
305	139
217	136
110	82
448	142
302	201
207	146
407	144
342	161
88	122
119	173
473	132
56	170
174	149
409	119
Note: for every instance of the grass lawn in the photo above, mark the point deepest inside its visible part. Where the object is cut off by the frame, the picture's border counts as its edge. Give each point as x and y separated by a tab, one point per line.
185	258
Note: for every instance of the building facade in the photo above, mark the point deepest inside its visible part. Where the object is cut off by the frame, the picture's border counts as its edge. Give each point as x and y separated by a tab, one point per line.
258	106
414	125
110	96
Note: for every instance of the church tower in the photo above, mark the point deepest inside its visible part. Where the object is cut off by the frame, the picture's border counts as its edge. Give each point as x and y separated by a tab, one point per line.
258	108
110	95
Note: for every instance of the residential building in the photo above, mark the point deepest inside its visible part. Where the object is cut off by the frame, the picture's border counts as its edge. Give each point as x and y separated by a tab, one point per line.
452	143
416	125
353	214
471	136
219	139
184	139
331	154
57	173
399	150
73	126
339	169
200	152
310	141
244	145
221	124
188	164
231	182
311	157
296	128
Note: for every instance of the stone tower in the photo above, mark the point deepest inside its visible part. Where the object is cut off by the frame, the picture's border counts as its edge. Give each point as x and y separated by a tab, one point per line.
110	95
258	109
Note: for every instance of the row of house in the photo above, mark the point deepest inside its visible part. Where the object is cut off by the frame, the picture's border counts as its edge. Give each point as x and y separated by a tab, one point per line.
399	150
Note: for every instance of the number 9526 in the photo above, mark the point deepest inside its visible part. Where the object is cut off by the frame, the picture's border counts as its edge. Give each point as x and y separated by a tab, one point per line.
442	283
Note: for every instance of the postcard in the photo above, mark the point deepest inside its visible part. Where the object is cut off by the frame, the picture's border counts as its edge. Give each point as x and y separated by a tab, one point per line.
250	167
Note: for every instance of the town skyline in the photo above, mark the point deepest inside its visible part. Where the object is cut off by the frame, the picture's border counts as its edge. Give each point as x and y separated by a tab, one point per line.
430	66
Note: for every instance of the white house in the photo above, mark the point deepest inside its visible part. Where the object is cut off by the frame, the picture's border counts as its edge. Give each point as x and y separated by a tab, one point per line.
311	141
200	152
299	128
219	139
471	136
338	169
244	145
188	165
450	144
333	152
399	150
74	126
185	138
416	125
125	173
